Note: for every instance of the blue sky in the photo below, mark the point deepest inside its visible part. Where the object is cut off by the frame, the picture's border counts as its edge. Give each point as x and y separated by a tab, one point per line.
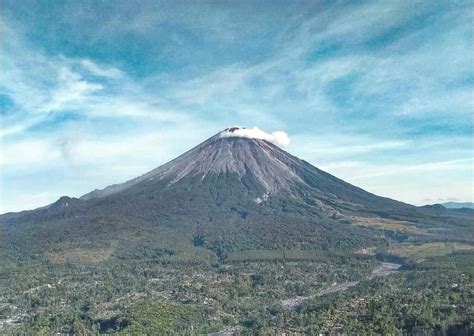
98	92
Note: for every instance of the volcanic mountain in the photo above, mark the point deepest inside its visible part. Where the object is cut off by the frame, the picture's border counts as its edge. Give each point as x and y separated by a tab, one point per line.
260	168
232	192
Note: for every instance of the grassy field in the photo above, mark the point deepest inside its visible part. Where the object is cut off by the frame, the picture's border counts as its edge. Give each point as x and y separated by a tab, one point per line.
80	255
428	250
389	224
277	255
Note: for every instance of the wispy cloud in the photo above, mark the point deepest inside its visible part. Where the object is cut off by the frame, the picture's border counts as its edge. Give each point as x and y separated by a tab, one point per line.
101	71
74	85
420	183
423	168
72	91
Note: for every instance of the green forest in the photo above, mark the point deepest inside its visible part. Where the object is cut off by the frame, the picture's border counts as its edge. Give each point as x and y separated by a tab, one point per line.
251	292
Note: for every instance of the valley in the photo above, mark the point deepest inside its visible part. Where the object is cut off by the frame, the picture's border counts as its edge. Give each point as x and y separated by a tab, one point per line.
183	297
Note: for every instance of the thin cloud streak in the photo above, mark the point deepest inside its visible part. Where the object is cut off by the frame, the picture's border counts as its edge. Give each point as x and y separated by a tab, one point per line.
425	167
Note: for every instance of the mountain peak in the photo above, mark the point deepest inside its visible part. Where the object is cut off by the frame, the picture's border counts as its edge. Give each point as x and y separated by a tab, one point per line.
278	138
248	160
229	152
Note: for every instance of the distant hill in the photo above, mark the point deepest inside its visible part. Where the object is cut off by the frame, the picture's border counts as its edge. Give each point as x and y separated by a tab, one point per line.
458	205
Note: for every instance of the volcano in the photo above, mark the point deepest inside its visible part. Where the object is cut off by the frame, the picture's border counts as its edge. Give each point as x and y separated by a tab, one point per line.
264	170
235	191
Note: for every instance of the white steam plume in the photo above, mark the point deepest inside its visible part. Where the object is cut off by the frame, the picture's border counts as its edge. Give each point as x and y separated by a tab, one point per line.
279	138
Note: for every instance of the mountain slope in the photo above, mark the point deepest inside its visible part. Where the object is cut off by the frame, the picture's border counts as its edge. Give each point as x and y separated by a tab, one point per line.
273	170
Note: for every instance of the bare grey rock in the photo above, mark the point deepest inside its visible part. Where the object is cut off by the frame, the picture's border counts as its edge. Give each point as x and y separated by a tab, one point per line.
270	165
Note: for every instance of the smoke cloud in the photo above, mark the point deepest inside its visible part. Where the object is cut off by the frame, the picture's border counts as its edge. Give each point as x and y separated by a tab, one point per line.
279	138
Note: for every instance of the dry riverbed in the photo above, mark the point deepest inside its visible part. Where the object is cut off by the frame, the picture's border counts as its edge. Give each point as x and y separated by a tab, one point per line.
384	269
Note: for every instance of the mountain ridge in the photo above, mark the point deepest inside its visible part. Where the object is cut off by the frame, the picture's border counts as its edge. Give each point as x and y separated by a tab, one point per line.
458	205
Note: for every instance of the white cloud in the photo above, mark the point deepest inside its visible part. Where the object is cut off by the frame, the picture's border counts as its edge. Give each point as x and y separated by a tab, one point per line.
360	149
100	70
419	184
279	138
28	153
41	86
26	202
72	88
414	168
201	90
19	127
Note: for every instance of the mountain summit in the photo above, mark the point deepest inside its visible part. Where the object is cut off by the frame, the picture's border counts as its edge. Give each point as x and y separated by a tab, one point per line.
237	151
249	157
235	191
